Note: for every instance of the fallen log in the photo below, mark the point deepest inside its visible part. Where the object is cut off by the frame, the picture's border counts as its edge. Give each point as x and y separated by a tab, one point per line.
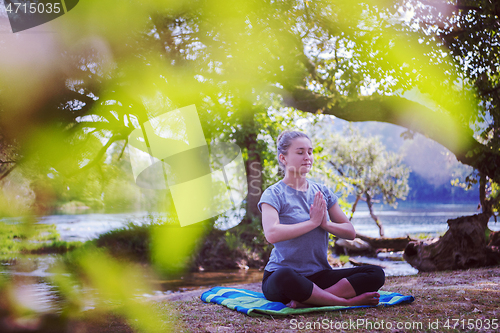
370	246
360	263
355	246
463	246
395	244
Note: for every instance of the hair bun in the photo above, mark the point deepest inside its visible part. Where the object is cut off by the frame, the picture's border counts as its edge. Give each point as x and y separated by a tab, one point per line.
280	136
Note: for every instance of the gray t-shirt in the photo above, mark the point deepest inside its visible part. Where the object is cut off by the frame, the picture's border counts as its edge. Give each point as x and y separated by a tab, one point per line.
306	254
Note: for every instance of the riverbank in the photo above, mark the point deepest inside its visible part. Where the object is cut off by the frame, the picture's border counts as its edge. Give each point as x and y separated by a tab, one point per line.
459	298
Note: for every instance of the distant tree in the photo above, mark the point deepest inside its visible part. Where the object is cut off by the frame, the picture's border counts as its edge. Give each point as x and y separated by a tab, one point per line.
367	168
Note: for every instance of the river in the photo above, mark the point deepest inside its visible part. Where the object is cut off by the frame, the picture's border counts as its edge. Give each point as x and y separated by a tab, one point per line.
407	219
411	219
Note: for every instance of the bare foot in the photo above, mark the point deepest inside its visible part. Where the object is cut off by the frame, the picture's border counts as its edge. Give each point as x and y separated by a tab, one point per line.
371	298
297	305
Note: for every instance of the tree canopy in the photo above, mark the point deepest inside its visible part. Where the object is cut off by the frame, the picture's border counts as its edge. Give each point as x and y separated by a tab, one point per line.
239	62
73	88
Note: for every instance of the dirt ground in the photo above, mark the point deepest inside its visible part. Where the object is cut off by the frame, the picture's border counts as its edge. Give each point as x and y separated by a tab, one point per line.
453	301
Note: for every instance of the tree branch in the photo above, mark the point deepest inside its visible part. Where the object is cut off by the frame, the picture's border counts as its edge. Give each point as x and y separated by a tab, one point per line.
94	124
489	91
337	168
76	95
123	149
438	126
450	6
116	137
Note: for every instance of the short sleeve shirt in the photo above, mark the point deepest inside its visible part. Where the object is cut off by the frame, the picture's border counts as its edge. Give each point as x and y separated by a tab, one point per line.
306	254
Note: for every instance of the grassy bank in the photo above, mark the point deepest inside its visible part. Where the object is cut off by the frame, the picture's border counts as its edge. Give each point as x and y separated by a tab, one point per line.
216	249
31	238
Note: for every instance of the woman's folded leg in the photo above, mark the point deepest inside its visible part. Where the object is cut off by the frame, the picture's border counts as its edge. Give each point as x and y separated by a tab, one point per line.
285	285
350	282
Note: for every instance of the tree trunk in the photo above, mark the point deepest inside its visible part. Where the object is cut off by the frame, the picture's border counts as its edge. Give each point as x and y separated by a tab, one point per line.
254	179
463	246
354	206
372	214
253	167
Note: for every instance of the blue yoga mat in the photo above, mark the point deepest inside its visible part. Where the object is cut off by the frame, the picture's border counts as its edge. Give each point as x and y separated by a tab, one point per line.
253	303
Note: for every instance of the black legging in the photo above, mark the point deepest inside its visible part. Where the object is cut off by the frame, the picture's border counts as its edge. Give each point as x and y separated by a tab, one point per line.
284	284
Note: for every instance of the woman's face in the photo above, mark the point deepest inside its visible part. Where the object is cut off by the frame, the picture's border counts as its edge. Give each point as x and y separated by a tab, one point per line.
299	158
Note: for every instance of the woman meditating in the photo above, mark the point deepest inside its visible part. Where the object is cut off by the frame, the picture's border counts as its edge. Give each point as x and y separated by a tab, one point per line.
297	216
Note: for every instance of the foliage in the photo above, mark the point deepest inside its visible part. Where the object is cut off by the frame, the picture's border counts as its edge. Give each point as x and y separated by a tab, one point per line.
344	259
199	53
131	242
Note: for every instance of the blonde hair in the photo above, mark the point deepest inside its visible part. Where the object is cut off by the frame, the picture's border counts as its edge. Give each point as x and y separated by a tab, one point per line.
284	142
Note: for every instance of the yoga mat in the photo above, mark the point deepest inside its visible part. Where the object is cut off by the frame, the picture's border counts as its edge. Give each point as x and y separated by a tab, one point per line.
253	303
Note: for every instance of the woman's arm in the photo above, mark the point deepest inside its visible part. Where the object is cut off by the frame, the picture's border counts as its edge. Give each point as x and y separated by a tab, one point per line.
341	226
276	232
